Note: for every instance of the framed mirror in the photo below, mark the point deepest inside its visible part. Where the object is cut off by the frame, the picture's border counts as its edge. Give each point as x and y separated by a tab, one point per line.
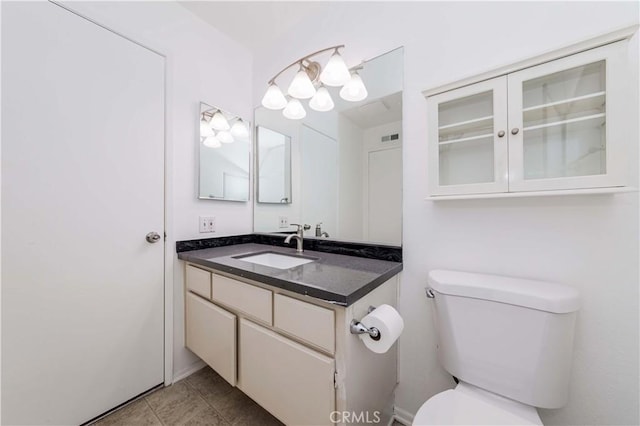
346	164
224	146
273	166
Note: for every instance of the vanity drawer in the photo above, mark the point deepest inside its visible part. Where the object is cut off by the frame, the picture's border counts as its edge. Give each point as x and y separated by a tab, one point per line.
199	281
249	299
311	323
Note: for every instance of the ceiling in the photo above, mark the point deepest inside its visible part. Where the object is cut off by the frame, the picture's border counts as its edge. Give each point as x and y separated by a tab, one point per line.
254	24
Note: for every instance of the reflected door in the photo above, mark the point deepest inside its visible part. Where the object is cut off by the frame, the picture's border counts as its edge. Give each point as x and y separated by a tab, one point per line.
467	136
563	122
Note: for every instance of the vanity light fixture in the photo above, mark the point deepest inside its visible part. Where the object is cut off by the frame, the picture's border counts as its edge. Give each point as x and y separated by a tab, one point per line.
310	82
294	110
354	89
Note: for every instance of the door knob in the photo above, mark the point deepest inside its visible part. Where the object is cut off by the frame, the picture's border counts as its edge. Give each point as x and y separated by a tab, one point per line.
501	133
515	131
153	237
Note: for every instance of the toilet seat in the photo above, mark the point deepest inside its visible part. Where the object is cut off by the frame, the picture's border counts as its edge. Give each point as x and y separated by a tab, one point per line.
467	405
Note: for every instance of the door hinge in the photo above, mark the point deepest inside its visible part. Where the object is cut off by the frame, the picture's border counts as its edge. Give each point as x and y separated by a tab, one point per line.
335	380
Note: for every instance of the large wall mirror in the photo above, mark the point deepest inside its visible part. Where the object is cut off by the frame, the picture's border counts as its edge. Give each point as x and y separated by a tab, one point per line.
346	164
224	146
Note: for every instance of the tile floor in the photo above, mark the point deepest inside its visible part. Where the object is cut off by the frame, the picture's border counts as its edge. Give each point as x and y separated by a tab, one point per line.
204	398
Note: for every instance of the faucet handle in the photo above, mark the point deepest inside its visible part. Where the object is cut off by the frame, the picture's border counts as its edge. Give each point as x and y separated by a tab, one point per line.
306	227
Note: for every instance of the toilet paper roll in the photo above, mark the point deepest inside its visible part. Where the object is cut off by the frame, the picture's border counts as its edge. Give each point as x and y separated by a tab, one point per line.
390	324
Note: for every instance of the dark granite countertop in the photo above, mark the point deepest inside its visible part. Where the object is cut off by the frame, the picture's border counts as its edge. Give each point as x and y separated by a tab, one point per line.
334	278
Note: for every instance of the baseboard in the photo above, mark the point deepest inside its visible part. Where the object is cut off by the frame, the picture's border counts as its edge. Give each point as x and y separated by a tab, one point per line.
186	372
403	416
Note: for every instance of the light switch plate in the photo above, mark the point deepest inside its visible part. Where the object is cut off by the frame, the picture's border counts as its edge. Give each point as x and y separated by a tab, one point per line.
207	224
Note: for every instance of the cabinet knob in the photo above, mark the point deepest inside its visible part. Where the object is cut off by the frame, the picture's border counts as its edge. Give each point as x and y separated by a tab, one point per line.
515	131
501	133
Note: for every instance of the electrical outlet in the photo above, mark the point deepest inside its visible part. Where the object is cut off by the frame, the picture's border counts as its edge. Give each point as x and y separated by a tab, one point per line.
207	224
283	222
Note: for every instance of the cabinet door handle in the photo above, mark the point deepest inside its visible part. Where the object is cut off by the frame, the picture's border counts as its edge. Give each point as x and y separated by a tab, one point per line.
501	133
515	131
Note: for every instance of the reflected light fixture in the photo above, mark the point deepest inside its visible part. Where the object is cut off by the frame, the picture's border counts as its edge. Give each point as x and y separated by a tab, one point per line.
224	136
205	128
309	83
239	129
219	122
211	142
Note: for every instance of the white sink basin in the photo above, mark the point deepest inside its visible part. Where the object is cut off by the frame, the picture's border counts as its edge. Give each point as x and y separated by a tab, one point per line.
275	260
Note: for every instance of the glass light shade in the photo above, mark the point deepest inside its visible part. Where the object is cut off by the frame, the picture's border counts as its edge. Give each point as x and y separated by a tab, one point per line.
354	90
224	136
321	101
336	72
218	122
239	129
205	129
301	87
294	110
273	98
212	142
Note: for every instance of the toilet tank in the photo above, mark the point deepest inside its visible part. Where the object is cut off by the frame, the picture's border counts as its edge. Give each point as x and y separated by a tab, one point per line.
510	336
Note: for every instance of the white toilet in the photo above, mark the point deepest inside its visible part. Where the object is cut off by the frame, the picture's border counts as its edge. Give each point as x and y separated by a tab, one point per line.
508	341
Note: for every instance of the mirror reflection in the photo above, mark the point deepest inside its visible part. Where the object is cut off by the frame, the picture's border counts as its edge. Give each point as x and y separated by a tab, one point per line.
224	144
346	164
273	164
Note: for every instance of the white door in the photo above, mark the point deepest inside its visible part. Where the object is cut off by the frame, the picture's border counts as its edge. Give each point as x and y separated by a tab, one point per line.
467	139
385	196
82	184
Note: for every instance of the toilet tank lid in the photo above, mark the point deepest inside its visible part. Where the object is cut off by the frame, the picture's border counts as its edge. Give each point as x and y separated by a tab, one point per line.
540	295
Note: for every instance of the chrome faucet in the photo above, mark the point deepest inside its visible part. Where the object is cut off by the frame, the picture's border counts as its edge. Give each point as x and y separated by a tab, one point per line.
299	236
319	232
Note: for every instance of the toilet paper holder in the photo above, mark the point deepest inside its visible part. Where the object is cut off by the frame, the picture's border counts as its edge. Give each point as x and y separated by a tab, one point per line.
357	327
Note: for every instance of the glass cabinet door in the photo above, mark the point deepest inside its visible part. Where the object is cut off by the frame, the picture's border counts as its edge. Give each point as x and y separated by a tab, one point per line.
560	121
467	139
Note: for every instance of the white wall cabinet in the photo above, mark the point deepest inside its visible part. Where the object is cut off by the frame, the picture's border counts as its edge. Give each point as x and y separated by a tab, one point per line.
559	125
296	358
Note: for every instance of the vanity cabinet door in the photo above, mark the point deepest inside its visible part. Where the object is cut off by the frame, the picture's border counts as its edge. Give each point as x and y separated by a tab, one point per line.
291	381
211	334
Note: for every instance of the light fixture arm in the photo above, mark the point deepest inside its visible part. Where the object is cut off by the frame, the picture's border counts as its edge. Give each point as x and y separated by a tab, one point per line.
305	58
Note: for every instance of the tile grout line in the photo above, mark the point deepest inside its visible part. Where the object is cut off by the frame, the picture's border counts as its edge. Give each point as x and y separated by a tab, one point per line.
201	395
154	411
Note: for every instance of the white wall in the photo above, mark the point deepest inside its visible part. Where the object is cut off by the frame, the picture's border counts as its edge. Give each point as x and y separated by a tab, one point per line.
202	65
590	242
350	204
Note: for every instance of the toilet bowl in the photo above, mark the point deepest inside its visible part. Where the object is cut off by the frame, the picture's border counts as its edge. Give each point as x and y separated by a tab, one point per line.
469	405
509	341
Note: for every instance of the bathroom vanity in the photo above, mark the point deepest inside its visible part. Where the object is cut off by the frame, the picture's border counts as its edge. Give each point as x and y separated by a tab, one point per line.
280	333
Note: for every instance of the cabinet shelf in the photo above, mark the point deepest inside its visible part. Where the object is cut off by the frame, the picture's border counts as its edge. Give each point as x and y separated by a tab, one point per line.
569	121
561	109
549	193
462	125
470	138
